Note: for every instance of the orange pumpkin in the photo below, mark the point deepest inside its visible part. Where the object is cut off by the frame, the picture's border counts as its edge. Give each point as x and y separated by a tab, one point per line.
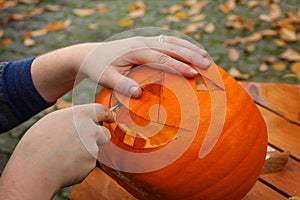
200	138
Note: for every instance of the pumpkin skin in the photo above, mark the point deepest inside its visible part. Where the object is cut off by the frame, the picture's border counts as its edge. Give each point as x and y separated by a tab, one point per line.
227	171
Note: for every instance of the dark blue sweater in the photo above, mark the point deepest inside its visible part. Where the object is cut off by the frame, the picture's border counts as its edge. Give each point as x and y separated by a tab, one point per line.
19	99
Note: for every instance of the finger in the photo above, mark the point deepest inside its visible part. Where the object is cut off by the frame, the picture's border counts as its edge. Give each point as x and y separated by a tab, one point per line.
181	53
103	135
162	61
184	43
121	83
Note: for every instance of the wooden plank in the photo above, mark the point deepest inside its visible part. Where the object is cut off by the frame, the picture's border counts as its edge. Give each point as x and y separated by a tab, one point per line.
283	99
282	134
286	180
263	192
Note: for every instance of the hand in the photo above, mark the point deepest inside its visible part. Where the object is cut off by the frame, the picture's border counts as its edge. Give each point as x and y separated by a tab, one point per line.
57	72
110	61
51	154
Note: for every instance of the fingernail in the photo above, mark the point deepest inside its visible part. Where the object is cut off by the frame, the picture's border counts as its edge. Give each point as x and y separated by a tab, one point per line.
135	91
192	71
206	62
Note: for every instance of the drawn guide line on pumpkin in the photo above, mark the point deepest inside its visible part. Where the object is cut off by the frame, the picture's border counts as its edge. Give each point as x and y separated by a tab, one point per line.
217	93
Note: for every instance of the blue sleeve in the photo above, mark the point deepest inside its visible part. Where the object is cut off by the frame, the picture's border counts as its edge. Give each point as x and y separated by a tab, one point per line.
19	98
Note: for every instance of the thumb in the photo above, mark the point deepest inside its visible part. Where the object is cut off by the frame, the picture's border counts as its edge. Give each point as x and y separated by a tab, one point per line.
123	84
128	87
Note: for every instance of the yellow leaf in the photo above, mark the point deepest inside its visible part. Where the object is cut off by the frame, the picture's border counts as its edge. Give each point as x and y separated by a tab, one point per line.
233	55
279	66
84	12
126	22
181	15
279	42
295	68
197	36
136	6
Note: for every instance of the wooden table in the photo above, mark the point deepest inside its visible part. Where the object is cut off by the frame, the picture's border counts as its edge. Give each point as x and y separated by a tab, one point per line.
280	107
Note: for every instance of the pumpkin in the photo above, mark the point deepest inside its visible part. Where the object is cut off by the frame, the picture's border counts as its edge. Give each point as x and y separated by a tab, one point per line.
200	138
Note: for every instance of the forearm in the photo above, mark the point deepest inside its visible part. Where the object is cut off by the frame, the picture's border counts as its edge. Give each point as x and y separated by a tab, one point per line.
19	182
54	73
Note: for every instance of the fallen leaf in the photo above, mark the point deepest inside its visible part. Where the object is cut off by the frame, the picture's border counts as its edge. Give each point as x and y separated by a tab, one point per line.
101	8
28	42
265	18
136	6
279	66
279	42
27	1
234	72
8	4
35	11
60	25
250	48
197	8
190	3
1	33
263	67
126	22
37	33
268	33
252	4
271	59
192	28
181	15
197	36
275	11
295	67
252	38
137	13
294	198
172	18
5	42
197	18
290	55
225	8
53	8
84	12
209	28
233	55
288	35
276	162
175	8
233	41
